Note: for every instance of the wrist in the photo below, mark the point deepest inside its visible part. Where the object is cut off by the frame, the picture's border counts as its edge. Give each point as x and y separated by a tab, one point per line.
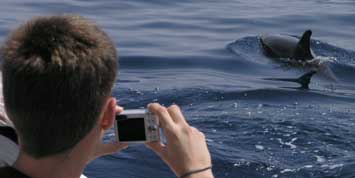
204	174
198	173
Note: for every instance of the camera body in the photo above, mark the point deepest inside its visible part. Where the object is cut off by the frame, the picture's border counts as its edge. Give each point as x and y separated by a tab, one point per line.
137	126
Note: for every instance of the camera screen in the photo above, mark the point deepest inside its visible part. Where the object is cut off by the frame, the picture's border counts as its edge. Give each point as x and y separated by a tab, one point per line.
132	129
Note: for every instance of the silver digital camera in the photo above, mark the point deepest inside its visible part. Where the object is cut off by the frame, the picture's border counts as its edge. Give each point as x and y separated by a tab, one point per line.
137	126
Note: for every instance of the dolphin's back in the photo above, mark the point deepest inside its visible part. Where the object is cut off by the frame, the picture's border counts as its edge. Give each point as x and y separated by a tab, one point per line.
283	46
279	45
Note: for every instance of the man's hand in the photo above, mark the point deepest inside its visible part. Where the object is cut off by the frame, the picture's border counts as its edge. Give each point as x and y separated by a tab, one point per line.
109	148
186	149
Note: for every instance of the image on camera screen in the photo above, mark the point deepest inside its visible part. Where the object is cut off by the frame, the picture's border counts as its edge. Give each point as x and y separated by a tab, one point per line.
132	129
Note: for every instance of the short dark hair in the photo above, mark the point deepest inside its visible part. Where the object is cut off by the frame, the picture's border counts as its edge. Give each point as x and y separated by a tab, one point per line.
58	72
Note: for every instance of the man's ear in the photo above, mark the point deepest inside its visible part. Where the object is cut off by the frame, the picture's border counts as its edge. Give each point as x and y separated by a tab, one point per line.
109	114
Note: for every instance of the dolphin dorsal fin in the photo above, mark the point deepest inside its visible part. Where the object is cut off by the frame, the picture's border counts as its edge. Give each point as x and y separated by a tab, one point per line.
305	79
303	49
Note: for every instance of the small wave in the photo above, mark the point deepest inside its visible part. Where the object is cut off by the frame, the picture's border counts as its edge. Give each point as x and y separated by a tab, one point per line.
188	96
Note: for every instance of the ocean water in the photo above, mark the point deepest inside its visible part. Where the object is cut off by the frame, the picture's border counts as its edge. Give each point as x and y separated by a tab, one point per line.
205	56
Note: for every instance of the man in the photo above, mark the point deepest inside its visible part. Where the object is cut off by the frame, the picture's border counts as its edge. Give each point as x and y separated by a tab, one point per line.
58	75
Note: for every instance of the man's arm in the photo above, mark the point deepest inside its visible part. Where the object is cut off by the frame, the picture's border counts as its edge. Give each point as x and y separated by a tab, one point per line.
186	149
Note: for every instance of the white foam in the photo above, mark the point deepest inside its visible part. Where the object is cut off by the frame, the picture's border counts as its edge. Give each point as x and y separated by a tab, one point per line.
320	159
288	170
334	166
290	143
259	147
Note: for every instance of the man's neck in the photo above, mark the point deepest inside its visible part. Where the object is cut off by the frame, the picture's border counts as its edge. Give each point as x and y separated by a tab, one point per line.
70	164
66	165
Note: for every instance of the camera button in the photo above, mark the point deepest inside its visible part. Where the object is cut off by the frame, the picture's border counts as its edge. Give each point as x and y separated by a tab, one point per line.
153	128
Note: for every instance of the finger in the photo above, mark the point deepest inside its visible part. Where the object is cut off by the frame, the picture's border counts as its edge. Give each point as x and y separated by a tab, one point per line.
176	114
198	132
194	129
163	115
157	147
119	109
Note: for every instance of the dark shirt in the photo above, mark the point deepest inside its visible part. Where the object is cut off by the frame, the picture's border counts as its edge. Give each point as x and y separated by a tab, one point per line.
8	132
10	172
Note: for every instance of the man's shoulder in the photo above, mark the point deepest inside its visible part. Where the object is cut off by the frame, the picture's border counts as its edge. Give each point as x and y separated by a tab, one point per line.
10	172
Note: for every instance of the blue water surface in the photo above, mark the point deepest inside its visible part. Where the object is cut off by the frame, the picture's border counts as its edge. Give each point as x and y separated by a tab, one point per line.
205	56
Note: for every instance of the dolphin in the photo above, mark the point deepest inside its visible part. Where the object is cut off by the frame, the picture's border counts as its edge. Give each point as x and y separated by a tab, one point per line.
284	46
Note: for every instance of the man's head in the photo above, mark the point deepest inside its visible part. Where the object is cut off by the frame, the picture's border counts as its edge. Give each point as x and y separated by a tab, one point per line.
58	72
